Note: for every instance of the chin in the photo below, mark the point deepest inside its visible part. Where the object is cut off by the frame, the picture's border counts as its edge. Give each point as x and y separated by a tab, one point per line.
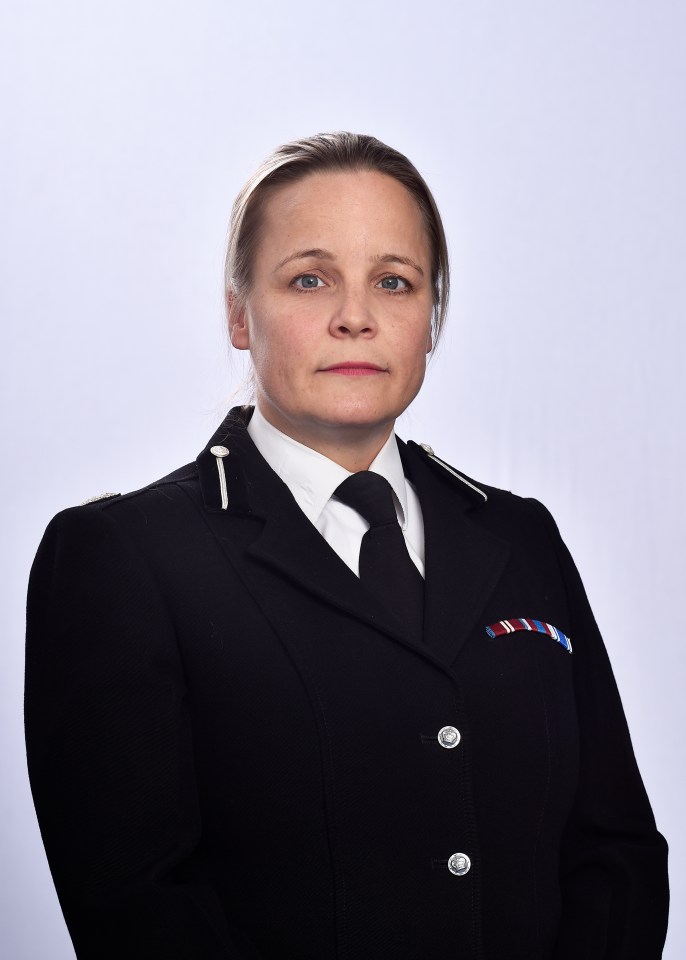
366	411
359	415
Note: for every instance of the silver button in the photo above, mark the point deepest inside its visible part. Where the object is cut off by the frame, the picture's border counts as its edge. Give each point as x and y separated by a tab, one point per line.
219	451
427	449
449	737
459	864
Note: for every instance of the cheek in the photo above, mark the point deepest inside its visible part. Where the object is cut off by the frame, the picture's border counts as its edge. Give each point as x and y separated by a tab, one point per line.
414	343
266	335
278	345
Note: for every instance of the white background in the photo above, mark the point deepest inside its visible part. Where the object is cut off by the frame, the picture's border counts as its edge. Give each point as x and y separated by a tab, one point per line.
553	136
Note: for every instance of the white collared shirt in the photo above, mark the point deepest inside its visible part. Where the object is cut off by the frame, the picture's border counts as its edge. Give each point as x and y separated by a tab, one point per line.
312	479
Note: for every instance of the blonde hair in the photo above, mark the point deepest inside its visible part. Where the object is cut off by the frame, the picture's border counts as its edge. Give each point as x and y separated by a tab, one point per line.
331	152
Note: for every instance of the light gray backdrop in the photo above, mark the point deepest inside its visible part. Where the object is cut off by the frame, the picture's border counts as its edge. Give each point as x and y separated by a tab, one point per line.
553	136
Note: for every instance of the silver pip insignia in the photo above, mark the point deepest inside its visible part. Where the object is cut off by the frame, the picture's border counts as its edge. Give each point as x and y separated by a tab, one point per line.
98	496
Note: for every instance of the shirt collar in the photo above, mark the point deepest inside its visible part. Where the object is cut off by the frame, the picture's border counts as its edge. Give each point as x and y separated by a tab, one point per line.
311	477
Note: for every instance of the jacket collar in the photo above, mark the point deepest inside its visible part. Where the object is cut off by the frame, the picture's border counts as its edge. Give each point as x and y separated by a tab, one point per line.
463	561
242	494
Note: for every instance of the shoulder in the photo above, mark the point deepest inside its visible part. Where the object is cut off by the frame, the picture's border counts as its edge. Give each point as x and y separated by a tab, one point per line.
114	545
160	514
110	517
498	501
100	501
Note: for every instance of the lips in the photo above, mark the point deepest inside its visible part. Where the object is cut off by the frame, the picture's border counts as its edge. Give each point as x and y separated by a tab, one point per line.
354	368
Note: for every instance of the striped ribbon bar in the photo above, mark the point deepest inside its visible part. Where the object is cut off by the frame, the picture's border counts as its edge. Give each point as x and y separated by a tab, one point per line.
503	627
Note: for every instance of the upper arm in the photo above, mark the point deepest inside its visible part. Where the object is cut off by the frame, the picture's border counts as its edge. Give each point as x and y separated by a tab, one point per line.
107	736
613	860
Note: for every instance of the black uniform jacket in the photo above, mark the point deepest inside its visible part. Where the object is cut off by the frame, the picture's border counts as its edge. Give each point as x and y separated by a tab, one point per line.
233	747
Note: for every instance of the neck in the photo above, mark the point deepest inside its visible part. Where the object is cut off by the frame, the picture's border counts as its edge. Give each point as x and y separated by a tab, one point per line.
353	447
354	455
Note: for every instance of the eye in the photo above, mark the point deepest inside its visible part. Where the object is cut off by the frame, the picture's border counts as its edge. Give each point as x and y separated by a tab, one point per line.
394	284
308	281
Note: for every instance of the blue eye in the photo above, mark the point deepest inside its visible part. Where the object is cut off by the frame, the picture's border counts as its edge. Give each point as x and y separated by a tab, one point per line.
308	281
394	283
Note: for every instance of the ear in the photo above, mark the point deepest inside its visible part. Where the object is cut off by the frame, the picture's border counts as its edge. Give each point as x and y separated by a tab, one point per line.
429	342
238	325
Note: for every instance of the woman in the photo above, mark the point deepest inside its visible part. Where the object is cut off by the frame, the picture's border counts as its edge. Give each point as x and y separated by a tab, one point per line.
279	707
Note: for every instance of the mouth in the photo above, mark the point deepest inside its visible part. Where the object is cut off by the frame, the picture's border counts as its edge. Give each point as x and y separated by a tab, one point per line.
354	368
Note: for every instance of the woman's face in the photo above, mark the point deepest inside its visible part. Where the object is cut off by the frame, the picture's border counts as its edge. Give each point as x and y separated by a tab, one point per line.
338	317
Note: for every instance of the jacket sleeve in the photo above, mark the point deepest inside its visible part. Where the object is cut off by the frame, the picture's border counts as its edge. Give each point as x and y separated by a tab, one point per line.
109	750
614	883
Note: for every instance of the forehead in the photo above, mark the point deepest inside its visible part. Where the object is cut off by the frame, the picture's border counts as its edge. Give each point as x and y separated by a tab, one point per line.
361	207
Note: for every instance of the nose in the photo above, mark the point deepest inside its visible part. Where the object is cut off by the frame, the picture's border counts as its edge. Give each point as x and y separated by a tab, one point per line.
353	316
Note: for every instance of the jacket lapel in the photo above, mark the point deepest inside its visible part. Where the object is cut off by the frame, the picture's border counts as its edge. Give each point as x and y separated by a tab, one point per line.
463	561
263	523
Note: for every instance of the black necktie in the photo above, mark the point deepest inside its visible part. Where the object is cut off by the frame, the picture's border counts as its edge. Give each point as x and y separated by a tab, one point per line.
386	568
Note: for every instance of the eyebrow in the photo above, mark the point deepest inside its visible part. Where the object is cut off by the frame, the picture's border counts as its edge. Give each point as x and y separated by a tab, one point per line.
398	258
303	254
321	254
